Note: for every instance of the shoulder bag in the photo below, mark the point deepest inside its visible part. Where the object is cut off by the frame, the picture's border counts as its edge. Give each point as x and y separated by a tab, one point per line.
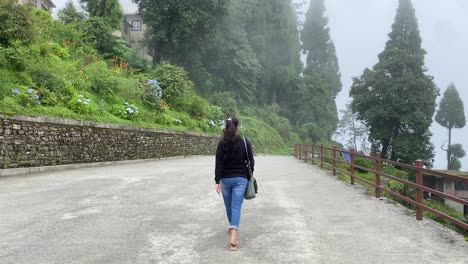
252	188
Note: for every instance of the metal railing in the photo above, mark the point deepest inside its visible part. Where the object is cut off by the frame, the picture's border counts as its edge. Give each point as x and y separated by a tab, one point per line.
312	152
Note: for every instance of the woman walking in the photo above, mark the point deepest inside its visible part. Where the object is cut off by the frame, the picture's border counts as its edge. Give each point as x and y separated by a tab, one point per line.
231	174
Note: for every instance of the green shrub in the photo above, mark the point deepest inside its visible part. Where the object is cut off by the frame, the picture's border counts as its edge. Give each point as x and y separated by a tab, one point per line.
60	51
163	119
125	111
47	97
119	48
44	77
87	54
64	96
44	49
70	38
81	83
439	206
129	88
135	61
17	56
16	23
27	97
312	131
216	113
227	102
41	17
80	104
97	34
194	105
173	81
363	163
343	166
102	80
9	81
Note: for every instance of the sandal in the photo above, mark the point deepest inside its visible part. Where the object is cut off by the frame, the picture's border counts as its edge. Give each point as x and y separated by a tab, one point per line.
234	246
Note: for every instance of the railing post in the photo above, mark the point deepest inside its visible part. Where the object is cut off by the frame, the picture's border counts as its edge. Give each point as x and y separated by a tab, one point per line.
419	195
353	162
334	159
321	156
313	152
300	151
377	174
306	153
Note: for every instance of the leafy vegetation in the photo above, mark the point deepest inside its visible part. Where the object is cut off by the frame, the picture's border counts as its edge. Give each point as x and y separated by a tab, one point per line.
396	99
315	106
213	59
352	131
109	10
247	51
451	115
402	189
75	68
364	163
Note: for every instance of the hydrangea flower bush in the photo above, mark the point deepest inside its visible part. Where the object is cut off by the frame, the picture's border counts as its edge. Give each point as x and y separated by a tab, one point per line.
80	105
125	111
29	98
153	96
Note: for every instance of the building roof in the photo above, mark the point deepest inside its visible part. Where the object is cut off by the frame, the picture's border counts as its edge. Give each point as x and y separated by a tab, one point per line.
50	3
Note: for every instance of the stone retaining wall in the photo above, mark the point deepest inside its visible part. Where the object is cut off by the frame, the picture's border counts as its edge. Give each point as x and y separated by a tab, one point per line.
31	142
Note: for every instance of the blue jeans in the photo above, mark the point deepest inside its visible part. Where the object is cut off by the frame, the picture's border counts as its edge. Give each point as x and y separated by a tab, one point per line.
233	190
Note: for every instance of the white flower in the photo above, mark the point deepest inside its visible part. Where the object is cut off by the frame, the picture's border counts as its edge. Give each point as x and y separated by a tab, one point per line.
79	101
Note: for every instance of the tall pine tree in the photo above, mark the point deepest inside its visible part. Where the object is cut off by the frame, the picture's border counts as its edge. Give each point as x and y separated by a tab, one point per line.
450	115
179	29
316	107
272	32
109	10
396	99
230	56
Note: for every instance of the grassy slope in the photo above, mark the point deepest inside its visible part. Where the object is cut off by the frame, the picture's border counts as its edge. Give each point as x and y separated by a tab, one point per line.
458	173
434	203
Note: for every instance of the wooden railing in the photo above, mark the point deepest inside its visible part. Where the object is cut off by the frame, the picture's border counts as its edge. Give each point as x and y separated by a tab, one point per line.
311	152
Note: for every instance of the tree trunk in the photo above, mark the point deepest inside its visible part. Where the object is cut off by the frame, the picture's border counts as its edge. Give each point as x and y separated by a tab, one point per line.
395	135
385	144
354	134
448	148
157	54
273	95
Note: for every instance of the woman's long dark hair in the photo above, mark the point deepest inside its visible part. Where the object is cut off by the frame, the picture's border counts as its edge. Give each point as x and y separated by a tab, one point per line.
230	137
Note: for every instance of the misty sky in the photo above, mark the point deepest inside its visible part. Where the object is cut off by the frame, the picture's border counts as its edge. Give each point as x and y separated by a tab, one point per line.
359	29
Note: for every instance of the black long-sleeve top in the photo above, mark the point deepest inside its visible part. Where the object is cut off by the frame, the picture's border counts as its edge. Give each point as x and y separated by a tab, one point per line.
236	164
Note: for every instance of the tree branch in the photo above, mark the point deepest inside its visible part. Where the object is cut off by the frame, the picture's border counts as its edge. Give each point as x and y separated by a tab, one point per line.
442	147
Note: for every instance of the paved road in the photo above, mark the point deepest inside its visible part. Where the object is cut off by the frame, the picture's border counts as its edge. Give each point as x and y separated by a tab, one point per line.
168	212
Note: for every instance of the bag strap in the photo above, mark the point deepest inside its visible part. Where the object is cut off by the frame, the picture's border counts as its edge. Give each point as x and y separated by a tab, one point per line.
246	151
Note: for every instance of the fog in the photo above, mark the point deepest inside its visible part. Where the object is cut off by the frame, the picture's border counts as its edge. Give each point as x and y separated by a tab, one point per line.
359	29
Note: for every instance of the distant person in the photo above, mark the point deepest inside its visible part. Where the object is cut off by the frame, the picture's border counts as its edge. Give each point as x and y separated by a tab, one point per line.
231	174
